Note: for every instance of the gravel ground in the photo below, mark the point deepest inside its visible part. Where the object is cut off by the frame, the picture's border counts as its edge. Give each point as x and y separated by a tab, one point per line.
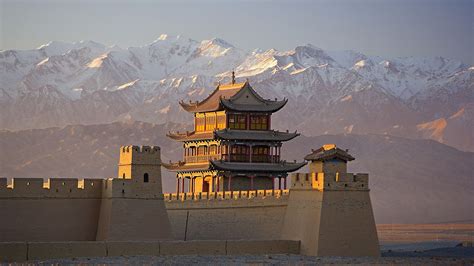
439	256
259	260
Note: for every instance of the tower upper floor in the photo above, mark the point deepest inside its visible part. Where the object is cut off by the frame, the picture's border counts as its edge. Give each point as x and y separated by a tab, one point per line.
233	106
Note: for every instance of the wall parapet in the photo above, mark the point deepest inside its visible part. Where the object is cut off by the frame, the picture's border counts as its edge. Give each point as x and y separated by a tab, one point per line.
330	181
227	195
51	188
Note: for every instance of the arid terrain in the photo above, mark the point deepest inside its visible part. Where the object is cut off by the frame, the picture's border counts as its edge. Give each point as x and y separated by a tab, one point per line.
392	234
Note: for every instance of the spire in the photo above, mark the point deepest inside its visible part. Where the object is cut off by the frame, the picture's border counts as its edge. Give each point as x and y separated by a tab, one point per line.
233	77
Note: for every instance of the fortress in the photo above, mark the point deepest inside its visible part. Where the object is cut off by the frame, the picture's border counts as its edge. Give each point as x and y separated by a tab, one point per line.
233	193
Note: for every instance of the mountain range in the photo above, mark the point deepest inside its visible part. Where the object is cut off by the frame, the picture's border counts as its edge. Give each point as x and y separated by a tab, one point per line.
329	92
411	180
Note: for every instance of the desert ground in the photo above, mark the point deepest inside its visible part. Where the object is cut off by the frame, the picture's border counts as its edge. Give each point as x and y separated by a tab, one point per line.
401	244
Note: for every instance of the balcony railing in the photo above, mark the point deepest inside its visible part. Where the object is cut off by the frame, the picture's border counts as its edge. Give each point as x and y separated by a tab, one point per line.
246	158
201	158
233	158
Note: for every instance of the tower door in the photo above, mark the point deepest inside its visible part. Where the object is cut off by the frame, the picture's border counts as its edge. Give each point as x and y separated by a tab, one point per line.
205	186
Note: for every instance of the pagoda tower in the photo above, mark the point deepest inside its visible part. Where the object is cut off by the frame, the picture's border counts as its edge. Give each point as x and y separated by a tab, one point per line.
232	146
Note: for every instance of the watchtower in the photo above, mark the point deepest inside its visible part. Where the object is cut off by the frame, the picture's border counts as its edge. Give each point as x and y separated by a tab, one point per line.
141	164
132	206
329	210
328	159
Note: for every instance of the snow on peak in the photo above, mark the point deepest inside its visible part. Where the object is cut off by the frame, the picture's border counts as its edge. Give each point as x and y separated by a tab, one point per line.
163	37
169	38
127	85
214	48
97	62
363	64
221	42
43	62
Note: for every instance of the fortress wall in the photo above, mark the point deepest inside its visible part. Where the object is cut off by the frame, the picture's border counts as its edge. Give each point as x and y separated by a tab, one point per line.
48	219
64	211
331	215
31	251
355	233
132	210
225	215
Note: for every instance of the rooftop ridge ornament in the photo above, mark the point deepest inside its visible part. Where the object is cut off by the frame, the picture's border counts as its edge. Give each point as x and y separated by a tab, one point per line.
233	77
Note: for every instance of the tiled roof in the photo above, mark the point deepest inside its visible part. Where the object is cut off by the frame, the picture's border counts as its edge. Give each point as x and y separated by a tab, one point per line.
267	106
256	167
189	136
224	96
181	166
263	135
323	154
212	102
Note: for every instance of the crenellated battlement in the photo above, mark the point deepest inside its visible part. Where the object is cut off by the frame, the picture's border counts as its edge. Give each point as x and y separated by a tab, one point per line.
50	188
330	181
139	149
143	158
227	195
139	155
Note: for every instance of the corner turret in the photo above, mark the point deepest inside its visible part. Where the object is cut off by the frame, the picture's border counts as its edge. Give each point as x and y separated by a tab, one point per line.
328	159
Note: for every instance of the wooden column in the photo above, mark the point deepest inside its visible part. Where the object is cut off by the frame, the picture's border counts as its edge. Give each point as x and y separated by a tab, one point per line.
229	184
248	122
182	185
250	152
177	185
217	189
251	182
273	183
284	184
271	157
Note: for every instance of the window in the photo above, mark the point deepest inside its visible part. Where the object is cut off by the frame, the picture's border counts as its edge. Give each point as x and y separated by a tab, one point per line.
145	178
123	176
259	122
239	153
210	121
220	120
260	154
237	121
213	149
202	150
239	149
260	150
200	122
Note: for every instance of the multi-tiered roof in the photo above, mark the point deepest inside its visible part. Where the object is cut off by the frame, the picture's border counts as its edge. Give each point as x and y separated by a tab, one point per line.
234	101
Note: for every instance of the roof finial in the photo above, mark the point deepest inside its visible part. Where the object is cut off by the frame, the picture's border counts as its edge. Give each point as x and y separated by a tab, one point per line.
233	77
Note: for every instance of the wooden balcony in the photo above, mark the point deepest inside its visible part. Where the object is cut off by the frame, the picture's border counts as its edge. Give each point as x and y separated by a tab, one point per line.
246	158
201	158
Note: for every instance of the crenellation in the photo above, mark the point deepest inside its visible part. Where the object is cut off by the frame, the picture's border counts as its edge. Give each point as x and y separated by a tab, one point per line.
140	155
227	195
64	185
329	181
51	188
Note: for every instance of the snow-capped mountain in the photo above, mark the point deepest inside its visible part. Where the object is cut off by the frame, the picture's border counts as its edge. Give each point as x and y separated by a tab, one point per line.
329	92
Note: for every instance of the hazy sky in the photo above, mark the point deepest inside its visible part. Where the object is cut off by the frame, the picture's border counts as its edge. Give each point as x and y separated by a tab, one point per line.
375	27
